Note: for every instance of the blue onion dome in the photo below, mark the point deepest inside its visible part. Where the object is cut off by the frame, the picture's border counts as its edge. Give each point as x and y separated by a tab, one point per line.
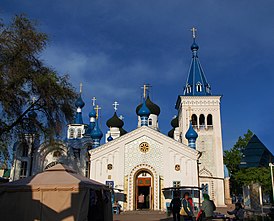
144	111
171	133
32	114
79	103
154	108
191	133
110	138
92	113
96	133
175	122
122	131
194	47
115	121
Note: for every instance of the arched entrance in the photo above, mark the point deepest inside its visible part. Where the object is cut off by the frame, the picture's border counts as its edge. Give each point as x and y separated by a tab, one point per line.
143	189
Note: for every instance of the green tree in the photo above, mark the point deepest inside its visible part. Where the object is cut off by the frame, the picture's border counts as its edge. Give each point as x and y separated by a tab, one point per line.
232	157
259	175
23	75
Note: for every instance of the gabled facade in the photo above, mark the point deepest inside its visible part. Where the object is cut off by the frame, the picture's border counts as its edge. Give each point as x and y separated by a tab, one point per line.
144	155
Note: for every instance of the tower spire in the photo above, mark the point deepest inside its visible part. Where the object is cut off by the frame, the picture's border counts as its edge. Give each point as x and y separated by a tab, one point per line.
196	84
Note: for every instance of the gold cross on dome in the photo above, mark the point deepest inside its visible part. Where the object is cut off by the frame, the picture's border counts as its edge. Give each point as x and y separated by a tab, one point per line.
193	30
146	89
97	108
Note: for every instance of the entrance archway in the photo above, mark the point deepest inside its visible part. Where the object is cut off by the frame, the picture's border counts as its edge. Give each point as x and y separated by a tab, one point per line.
154	205
143	189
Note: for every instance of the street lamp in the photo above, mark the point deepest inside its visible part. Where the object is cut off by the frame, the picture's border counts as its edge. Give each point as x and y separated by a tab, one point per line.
271	165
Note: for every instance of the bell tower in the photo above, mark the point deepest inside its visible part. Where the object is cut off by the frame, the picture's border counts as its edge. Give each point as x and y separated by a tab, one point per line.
198	106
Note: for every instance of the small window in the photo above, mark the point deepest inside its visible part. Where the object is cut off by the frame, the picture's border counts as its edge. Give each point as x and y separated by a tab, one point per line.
199	87
176	183
194	119
23	169
205	188
25	149
71	133
209	120
150	122
79	133
202	120
87	172
188	89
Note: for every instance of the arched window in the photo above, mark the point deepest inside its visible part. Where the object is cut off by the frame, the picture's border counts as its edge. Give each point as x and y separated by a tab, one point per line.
194	119
25	149
71	133
150	122
79	133
188	89
202	120
209	120
199	87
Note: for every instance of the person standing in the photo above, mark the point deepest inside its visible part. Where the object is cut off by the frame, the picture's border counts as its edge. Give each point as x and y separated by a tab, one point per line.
141	200
208	207
175	207
186	211
238	212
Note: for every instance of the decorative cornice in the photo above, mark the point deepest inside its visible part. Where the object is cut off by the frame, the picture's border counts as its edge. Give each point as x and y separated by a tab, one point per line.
148	130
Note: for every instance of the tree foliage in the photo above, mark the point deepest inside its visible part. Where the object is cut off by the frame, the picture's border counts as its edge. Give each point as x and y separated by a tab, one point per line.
259	175
23	75
232	157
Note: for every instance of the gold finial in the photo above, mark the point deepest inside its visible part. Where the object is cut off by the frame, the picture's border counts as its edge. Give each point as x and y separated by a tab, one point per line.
97	108
81	87
93	101
193	30
146	89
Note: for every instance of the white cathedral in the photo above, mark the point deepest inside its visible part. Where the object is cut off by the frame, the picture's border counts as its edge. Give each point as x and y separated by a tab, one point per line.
144	160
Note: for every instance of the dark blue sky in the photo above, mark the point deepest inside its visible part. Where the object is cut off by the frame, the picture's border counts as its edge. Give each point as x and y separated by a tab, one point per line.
114	47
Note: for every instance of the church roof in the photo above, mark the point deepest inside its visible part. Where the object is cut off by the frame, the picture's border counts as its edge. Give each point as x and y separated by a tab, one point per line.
154	108
256	154
196	84
115	121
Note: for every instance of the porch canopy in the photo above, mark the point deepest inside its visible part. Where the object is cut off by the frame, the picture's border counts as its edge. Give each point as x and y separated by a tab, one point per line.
193	190
58	193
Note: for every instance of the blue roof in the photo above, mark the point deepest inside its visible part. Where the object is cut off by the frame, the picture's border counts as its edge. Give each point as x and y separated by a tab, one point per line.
78	118
110	138
92	113
79	103
191	133
144	111
96	133
196	84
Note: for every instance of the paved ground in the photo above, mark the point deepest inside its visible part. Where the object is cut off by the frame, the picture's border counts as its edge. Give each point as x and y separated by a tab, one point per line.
154	215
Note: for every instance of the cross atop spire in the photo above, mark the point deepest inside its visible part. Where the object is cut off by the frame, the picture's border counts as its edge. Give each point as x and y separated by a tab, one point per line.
81	87
146	90
193	30
97	108
93	101
115	105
